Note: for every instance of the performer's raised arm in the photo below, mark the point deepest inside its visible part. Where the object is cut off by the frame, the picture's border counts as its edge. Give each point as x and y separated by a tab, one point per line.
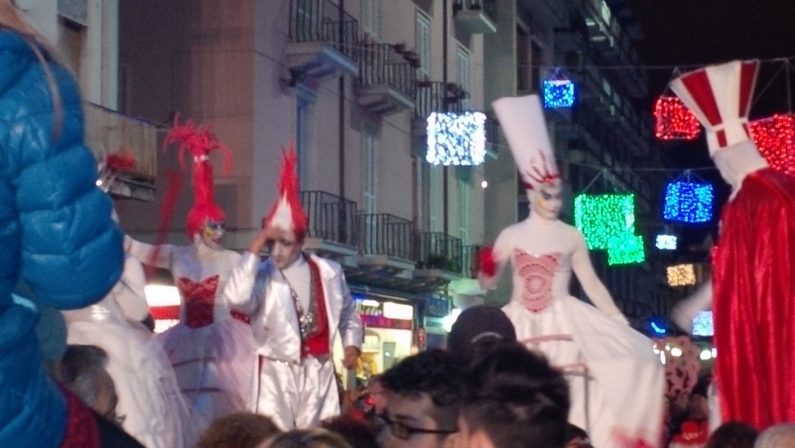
593	287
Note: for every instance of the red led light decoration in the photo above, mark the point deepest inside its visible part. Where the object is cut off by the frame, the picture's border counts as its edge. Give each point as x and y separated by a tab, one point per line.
673	120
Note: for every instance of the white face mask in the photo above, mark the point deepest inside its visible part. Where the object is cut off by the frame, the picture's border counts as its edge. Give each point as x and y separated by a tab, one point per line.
41	15
546	200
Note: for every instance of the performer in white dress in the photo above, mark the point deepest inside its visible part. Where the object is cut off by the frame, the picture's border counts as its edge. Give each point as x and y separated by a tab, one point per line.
616	381
212	351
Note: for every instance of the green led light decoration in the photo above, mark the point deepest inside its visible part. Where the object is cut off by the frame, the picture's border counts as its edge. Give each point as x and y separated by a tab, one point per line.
608	223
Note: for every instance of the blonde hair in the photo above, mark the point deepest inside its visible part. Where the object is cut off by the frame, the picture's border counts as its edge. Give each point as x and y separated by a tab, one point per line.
12	20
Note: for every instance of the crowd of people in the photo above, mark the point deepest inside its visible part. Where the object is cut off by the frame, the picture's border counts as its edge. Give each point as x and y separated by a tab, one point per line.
252	361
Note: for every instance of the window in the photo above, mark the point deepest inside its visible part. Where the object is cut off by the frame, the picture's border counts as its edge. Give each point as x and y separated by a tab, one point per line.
302	120
462	58
435	205
370	169
371	18
423	45
463	209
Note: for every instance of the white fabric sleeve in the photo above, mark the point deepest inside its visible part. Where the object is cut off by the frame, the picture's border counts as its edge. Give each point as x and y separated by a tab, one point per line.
351	329
239	288
143	253
593	287
686	310
133	300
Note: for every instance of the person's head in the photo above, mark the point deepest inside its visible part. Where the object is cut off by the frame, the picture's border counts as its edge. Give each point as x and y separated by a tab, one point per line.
778	436
356	432
212	234
424	394
284	247
375	388
238	430
732	435
546	198
514	398
83	372
306	438
478	329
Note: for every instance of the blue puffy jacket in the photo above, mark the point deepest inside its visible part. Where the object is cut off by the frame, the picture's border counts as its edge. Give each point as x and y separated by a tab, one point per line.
56	234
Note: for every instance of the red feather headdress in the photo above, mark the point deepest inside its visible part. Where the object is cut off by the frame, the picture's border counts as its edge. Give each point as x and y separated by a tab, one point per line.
287	213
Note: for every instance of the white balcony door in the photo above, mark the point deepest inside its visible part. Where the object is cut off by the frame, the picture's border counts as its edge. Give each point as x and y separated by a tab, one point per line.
371	18
302	132
462	62
423	37
463	209
435	199
369	170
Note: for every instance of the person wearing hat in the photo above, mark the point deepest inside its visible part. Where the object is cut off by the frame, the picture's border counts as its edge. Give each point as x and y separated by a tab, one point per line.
752	291
477	329
299	303
211	349
596	344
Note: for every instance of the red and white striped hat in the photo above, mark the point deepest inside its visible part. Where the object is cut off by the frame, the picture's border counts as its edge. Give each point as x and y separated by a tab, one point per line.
720	97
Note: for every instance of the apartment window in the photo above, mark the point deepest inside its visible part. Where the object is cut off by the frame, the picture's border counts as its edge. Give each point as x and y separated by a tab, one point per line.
463	209
302	123
462	58
435	205
370	169
423	44
371	18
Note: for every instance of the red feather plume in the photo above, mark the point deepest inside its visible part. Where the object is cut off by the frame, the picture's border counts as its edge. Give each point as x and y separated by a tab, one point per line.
289	189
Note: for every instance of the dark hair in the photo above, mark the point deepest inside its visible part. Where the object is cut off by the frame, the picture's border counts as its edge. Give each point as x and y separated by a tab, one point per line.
732	434
517	399
478	329
436	373
82	369
238	430
356	432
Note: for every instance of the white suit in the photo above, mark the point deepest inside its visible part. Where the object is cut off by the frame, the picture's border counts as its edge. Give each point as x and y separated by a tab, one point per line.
294	391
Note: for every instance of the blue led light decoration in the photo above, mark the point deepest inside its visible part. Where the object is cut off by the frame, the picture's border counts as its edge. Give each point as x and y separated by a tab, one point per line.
456	138
608	222
558	93
689	199
666	241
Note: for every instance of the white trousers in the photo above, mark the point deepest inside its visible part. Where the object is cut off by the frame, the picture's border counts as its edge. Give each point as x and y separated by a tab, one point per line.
297	395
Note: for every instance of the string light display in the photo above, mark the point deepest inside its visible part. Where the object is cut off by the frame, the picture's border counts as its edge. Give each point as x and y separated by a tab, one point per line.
666	241
703	325
608	222
673	120
775	137
681	275
558	93
688	200
456	138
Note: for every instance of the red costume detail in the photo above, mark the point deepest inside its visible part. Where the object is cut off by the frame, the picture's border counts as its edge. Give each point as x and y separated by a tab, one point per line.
486	262
754	302
199	300
81	424
693	433
536	274
318	343
288	190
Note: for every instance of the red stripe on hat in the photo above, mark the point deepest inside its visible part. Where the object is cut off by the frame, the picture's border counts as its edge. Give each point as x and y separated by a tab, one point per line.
698	85
748	74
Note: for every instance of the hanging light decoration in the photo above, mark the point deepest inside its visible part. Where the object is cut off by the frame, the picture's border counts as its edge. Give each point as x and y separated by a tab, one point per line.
608	222
775	137
456	138
689	199
666	241
673	120
559	92
681	275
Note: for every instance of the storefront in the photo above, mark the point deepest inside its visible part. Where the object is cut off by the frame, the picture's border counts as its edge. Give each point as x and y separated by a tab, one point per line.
389	334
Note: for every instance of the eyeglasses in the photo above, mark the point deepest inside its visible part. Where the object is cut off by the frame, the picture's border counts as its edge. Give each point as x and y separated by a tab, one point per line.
404	432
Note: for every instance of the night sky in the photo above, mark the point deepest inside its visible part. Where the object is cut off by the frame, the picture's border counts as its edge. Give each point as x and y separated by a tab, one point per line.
693	33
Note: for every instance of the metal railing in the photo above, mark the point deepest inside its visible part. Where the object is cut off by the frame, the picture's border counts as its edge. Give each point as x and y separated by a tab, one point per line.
381	64
385	234
321	21
470	260
330	217
437	250
489	7
432	95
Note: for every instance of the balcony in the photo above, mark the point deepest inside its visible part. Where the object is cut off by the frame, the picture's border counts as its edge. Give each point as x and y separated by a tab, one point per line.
387	80
386	247
332	229
475	16
439	258
323	41
469	260
433	96
108	132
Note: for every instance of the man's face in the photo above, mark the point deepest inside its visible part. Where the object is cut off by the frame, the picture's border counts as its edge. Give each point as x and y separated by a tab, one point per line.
377	392
410	418
284	248
547	199
213	233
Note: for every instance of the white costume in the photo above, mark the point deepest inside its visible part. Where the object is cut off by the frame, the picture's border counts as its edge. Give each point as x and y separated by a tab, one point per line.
297	313
149	398
615	380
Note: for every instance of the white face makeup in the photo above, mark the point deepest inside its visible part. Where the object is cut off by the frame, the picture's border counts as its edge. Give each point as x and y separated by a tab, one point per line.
285	249
547	199
213	233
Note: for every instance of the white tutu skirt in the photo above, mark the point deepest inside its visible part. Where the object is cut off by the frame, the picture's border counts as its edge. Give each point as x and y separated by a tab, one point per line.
149	399
215	367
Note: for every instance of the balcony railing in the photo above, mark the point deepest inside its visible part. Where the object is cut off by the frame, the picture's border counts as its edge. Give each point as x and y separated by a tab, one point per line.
437	250
322	21
470	260
381	64
385	234
330	217
432	96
